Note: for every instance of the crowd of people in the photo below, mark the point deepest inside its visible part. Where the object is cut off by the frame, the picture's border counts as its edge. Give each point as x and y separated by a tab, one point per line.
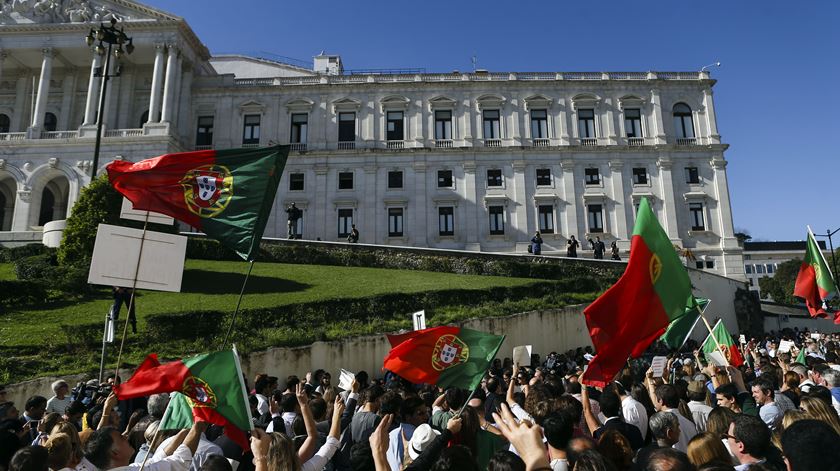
772	413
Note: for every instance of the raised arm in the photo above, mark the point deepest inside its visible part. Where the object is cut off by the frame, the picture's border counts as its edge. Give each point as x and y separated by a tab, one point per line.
308	448
591	421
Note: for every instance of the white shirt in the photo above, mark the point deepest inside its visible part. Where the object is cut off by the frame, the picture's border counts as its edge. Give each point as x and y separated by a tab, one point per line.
322	456
700	414
559	465
687	430
635	414
262	404
205	449
57	405
771	415
396	453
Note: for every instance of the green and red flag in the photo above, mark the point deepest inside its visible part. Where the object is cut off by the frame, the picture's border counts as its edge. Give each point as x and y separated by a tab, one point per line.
211	385
814	283
227	194
680	328
653	291
728	347
447	356
800	357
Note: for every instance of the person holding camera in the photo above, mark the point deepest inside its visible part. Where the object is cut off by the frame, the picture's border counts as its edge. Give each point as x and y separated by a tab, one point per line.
353	237
293	214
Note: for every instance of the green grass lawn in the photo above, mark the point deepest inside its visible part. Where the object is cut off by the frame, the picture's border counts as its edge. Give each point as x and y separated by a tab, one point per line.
212	285
7	271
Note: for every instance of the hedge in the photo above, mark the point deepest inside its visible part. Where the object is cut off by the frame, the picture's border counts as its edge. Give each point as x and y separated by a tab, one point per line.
21	293
11	254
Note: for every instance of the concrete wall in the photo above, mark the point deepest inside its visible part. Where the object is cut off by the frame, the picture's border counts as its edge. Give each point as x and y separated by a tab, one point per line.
782	316
721	291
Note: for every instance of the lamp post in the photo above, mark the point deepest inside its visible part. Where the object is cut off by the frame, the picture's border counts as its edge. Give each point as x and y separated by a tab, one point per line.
110	36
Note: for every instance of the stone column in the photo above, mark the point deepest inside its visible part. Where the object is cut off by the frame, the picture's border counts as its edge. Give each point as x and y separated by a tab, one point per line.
711	118
422	228
67	94
3	56
727	230
669	199
20	106
472	208
43	90
20	220
521	211
369	207
571	200
317	226
617	178
658	125
93	92
157	78
169	87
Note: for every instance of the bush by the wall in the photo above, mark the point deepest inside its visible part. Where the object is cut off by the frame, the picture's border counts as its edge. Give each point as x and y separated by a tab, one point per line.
11	254
21	293
60	280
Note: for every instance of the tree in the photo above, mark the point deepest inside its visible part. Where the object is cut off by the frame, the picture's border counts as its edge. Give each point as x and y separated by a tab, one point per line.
780	286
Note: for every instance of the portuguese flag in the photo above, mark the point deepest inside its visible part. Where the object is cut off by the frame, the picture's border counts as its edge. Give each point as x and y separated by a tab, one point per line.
227	194
680	328
636	310
814	282
446	356
728	347
211	384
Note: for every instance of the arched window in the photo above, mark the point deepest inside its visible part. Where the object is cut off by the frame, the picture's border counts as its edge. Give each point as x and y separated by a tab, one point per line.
5	123
683	123
47	207
50	122
144	118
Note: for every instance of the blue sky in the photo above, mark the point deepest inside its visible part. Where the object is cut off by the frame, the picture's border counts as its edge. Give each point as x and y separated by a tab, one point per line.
777	96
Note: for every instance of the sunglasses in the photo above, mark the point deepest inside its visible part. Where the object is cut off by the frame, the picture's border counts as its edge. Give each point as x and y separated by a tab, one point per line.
726	435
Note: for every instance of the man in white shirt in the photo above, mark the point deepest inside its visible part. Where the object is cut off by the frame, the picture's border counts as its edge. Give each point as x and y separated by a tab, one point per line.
697	392
805	382
205	449
59	402
107	450
633	411
762	392
262	390
666	399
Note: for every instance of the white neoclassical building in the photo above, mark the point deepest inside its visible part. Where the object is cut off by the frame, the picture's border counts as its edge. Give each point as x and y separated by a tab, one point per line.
476	161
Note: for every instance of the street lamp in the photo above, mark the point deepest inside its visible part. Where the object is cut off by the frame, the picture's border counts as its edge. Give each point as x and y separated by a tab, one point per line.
111	36
828	234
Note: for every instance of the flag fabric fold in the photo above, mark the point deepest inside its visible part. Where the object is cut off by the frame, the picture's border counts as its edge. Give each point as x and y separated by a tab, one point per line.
180	415
211	384
814	282
728	347
653	291
447	356
680	328
227	194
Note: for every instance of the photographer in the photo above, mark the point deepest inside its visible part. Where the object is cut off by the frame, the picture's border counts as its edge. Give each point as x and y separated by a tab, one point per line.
293	215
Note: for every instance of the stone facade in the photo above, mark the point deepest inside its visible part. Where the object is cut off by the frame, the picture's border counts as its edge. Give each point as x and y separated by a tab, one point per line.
476	161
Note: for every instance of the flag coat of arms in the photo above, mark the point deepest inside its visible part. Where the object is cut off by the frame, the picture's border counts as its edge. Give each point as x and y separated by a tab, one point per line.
447	356
227	194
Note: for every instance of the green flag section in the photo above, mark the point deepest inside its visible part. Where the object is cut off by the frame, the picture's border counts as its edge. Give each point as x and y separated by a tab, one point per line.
800	357
447	356
814	283
680	328
211	383
653	291
728	348
227	194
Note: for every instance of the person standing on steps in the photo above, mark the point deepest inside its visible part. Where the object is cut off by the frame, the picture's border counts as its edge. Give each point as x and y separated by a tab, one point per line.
614	251
536	244
571	246
599	248
293	215
353	237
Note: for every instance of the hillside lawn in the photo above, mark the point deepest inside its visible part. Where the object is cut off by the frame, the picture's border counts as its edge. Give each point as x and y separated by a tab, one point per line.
214	285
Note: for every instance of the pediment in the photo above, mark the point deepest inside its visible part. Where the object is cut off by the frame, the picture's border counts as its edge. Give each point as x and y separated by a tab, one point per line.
34	12
538	101
299	104
442	101
346	104
490	101
251	106
394	102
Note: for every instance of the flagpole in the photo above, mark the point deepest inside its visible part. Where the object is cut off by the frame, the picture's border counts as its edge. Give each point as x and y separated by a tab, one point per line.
687	335
712	334
825	262
131	300
241	293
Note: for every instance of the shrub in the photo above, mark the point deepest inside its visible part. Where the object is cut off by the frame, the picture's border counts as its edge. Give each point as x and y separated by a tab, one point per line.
21	293
61	281
11	254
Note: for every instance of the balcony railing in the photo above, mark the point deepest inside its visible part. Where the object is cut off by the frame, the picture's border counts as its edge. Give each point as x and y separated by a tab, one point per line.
346	145
205	147
444	143
540	142
589	141
395	144
492	143
298	146
123	132
635	141
12	136
250	145
686	141
59	134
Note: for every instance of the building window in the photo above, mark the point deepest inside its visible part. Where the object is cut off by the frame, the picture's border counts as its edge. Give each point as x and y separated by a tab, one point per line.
204	131
345	222
710	264
251	129
443	125
543	177
545	215
5	123
699	264
771	268
345	180
539	124
395	126
300	123
593	176
633	122
395	179
586	123
444	179
697	220
497	220
692	175
295	182
494	177
346	127
395	222
748	269
640	176
50	122
759	268
752	282
491	124
683	123
446	221
595	214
